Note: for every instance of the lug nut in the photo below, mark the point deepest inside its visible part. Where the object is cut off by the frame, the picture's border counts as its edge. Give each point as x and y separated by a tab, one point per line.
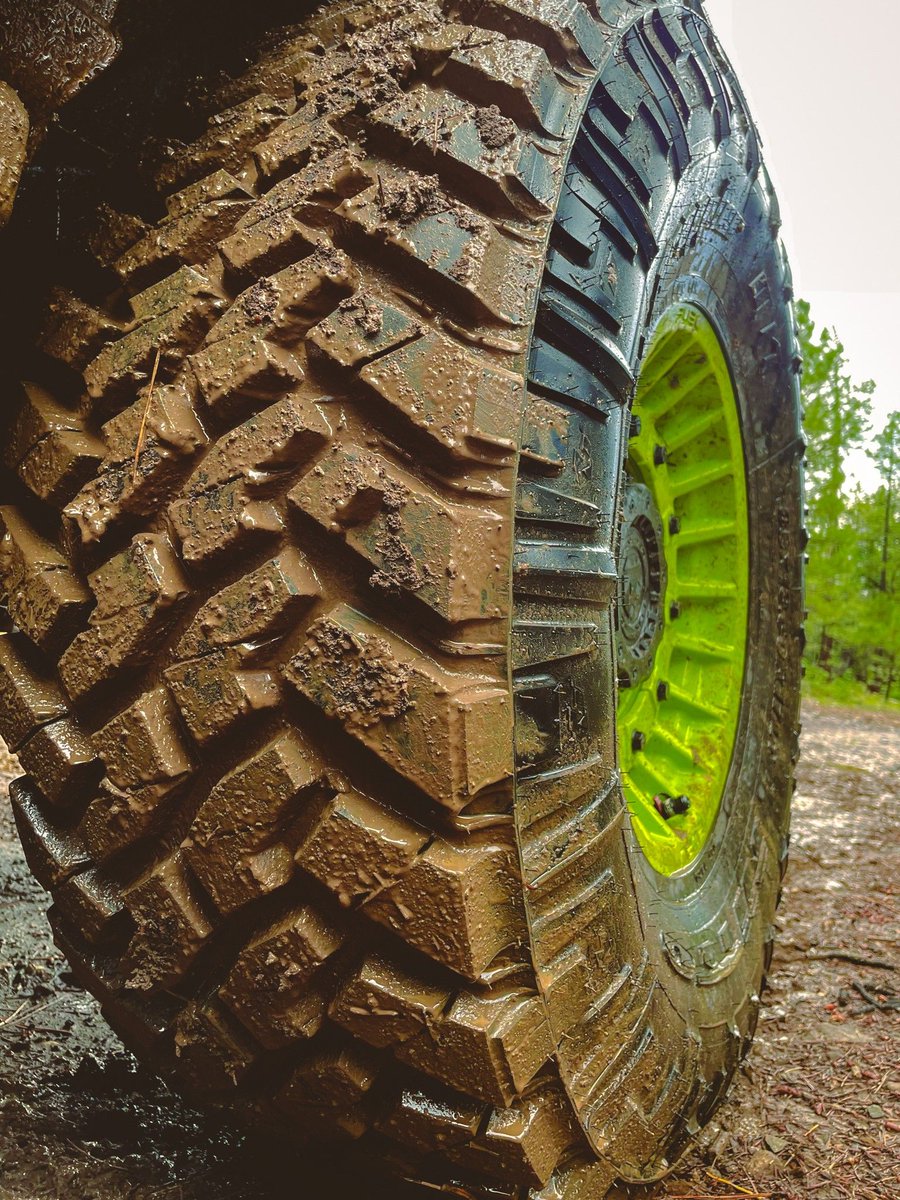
635	430
638	741
674	611
659	456
674	526
671	806
662	691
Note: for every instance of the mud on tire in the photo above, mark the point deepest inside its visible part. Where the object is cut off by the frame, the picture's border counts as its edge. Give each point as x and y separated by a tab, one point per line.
328	537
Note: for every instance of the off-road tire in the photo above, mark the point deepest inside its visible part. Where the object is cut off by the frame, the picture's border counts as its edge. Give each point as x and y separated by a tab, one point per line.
337	490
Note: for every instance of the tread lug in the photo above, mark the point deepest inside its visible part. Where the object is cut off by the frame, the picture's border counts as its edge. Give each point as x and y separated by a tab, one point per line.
145	579
402	529
49	448
459	398
385	1005
44	598
28	699
356	847
241	842
268	989
170	926
61	757
465	255
224	145
52	854
216	692
440	905
257	608
369	680
75	331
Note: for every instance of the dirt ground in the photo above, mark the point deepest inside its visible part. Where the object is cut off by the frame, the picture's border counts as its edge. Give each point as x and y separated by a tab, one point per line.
815	1112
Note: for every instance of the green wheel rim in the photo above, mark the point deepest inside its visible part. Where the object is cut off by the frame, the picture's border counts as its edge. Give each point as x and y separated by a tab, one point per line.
677	724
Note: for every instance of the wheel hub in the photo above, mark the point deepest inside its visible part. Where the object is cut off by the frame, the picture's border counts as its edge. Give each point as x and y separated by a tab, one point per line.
642	586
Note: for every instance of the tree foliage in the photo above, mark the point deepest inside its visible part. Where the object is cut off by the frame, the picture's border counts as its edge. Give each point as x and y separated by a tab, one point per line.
853	578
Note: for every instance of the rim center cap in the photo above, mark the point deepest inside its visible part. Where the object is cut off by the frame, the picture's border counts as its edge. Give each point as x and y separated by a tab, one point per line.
642	586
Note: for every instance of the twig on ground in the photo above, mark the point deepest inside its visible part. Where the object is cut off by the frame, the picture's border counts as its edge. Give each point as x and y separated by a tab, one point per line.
8	1020
742	1191
19	1014
858	960
891	1004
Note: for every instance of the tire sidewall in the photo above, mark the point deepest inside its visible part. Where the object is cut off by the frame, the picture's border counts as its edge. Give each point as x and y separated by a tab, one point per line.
708	926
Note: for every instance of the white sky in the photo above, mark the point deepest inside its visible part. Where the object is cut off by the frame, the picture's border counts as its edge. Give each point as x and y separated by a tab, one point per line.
823	82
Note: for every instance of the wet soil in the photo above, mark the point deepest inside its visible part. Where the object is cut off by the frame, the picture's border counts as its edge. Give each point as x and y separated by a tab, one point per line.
815	1110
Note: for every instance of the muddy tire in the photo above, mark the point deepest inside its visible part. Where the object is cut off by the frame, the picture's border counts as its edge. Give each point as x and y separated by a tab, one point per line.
315	600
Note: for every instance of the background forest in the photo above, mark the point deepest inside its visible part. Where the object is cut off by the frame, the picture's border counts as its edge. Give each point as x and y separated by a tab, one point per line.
853	576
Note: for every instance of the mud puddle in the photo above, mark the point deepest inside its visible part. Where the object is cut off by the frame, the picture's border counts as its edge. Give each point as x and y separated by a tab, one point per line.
815	1112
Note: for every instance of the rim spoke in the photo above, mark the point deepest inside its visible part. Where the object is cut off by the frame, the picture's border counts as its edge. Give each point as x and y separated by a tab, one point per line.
669	364
680	699
695	533
682	481
675	747
644	811
702	647
678	434
709	589
664	397
654	783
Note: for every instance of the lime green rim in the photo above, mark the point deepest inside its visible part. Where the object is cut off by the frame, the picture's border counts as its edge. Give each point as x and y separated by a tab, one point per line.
688	707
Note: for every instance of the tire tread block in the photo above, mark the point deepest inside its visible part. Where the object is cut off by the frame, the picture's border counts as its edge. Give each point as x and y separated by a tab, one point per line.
461	252
125	366
407	533
564	28
241	842
282	307
477	145
256	608
220	185
75	331
385	1005
516	76
224	146
45	599
52	854
170	926
463	401
219	691
438	729
356	847
272	988
49	448
142	746
150	448
486	1047
456	905
212	1050
139	593
28	699
62	758
330	1090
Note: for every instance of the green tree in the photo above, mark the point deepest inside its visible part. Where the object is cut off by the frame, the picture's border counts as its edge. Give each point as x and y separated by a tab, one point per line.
886	455
837	420
884	549
837	415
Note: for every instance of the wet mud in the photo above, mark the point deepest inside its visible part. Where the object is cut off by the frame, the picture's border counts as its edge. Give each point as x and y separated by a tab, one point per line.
815	1110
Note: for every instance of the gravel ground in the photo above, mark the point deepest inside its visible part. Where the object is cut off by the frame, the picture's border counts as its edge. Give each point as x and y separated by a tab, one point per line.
815	1110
